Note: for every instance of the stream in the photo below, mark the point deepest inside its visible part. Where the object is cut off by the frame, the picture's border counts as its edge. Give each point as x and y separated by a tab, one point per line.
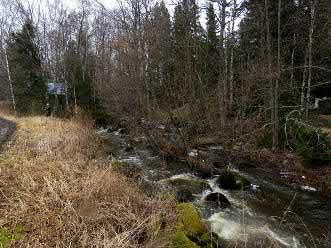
265	214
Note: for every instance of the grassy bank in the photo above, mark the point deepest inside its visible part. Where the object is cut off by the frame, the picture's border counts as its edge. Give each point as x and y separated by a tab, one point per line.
58	190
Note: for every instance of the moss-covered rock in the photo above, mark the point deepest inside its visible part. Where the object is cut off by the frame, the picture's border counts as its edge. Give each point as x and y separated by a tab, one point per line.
232	181
189	220
190	229
195	186
182	241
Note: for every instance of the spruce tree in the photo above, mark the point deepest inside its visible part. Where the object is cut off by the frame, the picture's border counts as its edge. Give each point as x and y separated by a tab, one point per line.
160	53
212	70
188	41
25	65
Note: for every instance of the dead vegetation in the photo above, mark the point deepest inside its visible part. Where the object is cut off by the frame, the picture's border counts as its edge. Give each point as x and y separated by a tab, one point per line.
56	186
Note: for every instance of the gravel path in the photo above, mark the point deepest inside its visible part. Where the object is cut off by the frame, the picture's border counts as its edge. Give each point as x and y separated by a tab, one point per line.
7	128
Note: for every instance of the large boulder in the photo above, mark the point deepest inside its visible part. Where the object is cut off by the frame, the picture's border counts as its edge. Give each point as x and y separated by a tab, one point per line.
218	199
191	231
232	181
194	185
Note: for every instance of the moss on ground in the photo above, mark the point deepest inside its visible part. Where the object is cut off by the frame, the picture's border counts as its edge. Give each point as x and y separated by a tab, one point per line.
7	236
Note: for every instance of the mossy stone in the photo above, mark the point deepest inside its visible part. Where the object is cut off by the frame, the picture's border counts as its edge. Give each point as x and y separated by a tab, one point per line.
191	232
189	220
182	241
195	186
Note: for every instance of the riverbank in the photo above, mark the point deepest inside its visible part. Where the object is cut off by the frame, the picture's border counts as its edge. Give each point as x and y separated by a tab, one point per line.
58	190
276	209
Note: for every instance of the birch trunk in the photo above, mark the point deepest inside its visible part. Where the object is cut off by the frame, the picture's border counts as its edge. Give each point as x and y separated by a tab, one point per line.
10	82
269	62
313	4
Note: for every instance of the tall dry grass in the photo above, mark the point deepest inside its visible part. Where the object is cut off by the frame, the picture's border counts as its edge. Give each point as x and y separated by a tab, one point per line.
56	185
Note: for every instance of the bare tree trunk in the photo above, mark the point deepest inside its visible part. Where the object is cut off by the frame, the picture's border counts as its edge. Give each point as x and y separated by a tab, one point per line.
313	4
275	132
234	13
303	85
10	82
292	61
222	79
269	61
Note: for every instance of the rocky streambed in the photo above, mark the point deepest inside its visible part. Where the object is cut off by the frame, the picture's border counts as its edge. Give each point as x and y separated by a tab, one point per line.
242	208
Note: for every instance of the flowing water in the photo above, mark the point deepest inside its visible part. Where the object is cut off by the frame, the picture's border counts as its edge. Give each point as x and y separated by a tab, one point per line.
264	215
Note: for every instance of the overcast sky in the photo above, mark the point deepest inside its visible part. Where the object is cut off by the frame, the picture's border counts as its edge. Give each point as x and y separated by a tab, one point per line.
113	3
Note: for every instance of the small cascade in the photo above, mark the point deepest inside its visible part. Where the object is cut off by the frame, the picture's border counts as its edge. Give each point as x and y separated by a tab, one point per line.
249	218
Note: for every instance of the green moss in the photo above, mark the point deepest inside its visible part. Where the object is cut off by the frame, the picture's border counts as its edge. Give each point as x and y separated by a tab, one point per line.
189	220
7	236
182	241
190	230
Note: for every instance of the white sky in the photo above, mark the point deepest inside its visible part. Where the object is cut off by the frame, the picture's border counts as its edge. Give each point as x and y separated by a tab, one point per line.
113	4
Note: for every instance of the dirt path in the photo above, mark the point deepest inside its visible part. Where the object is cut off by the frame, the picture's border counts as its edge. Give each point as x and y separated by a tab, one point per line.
7	128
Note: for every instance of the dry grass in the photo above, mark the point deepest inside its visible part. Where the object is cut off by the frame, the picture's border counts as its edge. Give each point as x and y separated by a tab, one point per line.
5	107
55	183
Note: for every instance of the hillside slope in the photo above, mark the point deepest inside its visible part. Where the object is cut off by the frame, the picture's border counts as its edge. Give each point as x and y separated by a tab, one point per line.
57	189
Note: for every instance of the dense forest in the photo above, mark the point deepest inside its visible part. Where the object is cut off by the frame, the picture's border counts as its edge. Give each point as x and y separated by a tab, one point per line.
243	67
250	76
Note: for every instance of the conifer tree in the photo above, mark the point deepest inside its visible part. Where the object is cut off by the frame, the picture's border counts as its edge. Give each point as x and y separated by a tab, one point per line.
212	48
27	75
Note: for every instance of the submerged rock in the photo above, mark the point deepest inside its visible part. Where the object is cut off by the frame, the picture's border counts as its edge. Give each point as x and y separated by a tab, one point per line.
218	199
232	181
